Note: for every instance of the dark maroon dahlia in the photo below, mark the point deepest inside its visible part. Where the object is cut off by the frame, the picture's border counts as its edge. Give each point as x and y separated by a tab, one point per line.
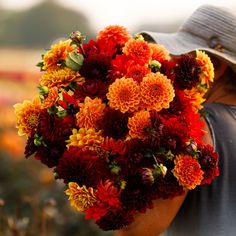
115	220
50	154
114	124
92	88
30	147
53	128
84	167
136	195
187	72
208	160
96	66
166	187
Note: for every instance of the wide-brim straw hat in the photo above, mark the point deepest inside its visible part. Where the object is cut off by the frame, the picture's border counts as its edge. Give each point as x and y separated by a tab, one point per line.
209	28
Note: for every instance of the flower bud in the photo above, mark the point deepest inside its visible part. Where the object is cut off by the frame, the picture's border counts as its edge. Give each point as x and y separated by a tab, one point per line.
147	176
43	90
74	61
77	38
155	65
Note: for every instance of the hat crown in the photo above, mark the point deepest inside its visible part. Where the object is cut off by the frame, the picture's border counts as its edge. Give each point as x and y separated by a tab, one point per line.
215	25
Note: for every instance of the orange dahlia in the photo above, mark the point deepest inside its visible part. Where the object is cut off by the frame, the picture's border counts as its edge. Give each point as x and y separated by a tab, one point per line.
138	123
85	138
187	171
80	197
138	50
124	95
62	77
53	58
207	68
91	111
51	98
159	52
114	33
27	115
156	91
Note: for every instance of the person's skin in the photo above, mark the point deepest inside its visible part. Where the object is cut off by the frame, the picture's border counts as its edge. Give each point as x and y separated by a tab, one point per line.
157	220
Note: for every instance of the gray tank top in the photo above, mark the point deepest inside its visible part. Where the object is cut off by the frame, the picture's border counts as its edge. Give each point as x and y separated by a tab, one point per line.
210	210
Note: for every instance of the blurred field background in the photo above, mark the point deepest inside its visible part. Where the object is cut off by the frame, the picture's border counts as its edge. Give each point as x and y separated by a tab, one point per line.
32	203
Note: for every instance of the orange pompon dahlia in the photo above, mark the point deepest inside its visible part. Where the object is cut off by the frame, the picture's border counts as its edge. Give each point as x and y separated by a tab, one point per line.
114	33
195	98
85	139
81	197
124	95
207	68
138	50
62	77
187	171
53	58
156	91
91	111
159	52
51	98
138	123
27	115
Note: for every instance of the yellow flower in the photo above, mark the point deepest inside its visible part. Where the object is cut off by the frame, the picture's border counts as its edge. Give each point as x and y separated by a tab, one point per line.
206	66
52	58
80	197
61	77
27	115
124	95
196	98
85	138
91	111
156	91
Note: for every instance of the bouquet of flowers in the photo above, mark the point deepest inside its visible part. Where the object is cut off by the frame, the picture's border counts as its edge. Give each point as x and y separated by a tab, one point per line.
118	120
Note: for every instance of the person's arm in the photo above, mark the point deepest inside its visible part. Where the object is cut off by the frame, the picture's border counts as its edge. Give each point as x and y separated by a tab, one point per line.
155	220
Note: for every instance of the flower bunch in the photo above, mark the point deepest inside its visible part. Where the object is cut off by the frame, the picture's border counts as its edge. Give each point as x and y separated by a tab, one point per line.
118	120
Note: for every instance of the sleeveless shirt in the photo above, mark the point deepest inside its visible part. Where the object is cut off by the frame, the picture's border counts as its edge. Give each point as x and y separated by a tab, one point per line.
210	210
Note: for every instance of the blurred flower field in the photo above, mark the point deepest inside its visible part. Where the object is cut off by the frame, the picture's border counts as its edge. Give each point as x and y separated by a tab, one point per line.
32	203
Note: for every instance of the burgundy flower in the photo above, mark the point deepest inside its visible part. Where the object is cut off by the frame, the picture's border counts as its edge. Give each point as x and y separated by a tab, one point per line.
114	124
55	129
96	66
187	72
30	147
136	195
91	88
115	220
166	187
84	167
50	154
208	160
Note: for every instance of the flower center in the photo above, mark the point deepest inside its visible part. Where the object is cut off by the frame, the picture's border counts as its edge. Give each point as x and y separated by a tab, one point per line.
32	120
124	95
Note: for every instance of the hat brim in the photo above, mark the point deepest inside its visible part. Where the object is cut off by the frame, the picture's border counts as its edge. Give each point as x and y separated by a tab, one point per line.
183	42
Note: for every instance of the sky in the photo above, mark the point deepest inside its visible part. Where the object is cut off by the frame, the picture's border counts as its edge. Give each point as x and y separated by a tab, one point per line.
126	12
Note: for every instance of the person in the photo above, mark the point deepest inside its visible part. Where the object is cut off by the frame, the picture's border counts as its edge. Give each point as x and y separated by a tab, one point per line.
209	209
